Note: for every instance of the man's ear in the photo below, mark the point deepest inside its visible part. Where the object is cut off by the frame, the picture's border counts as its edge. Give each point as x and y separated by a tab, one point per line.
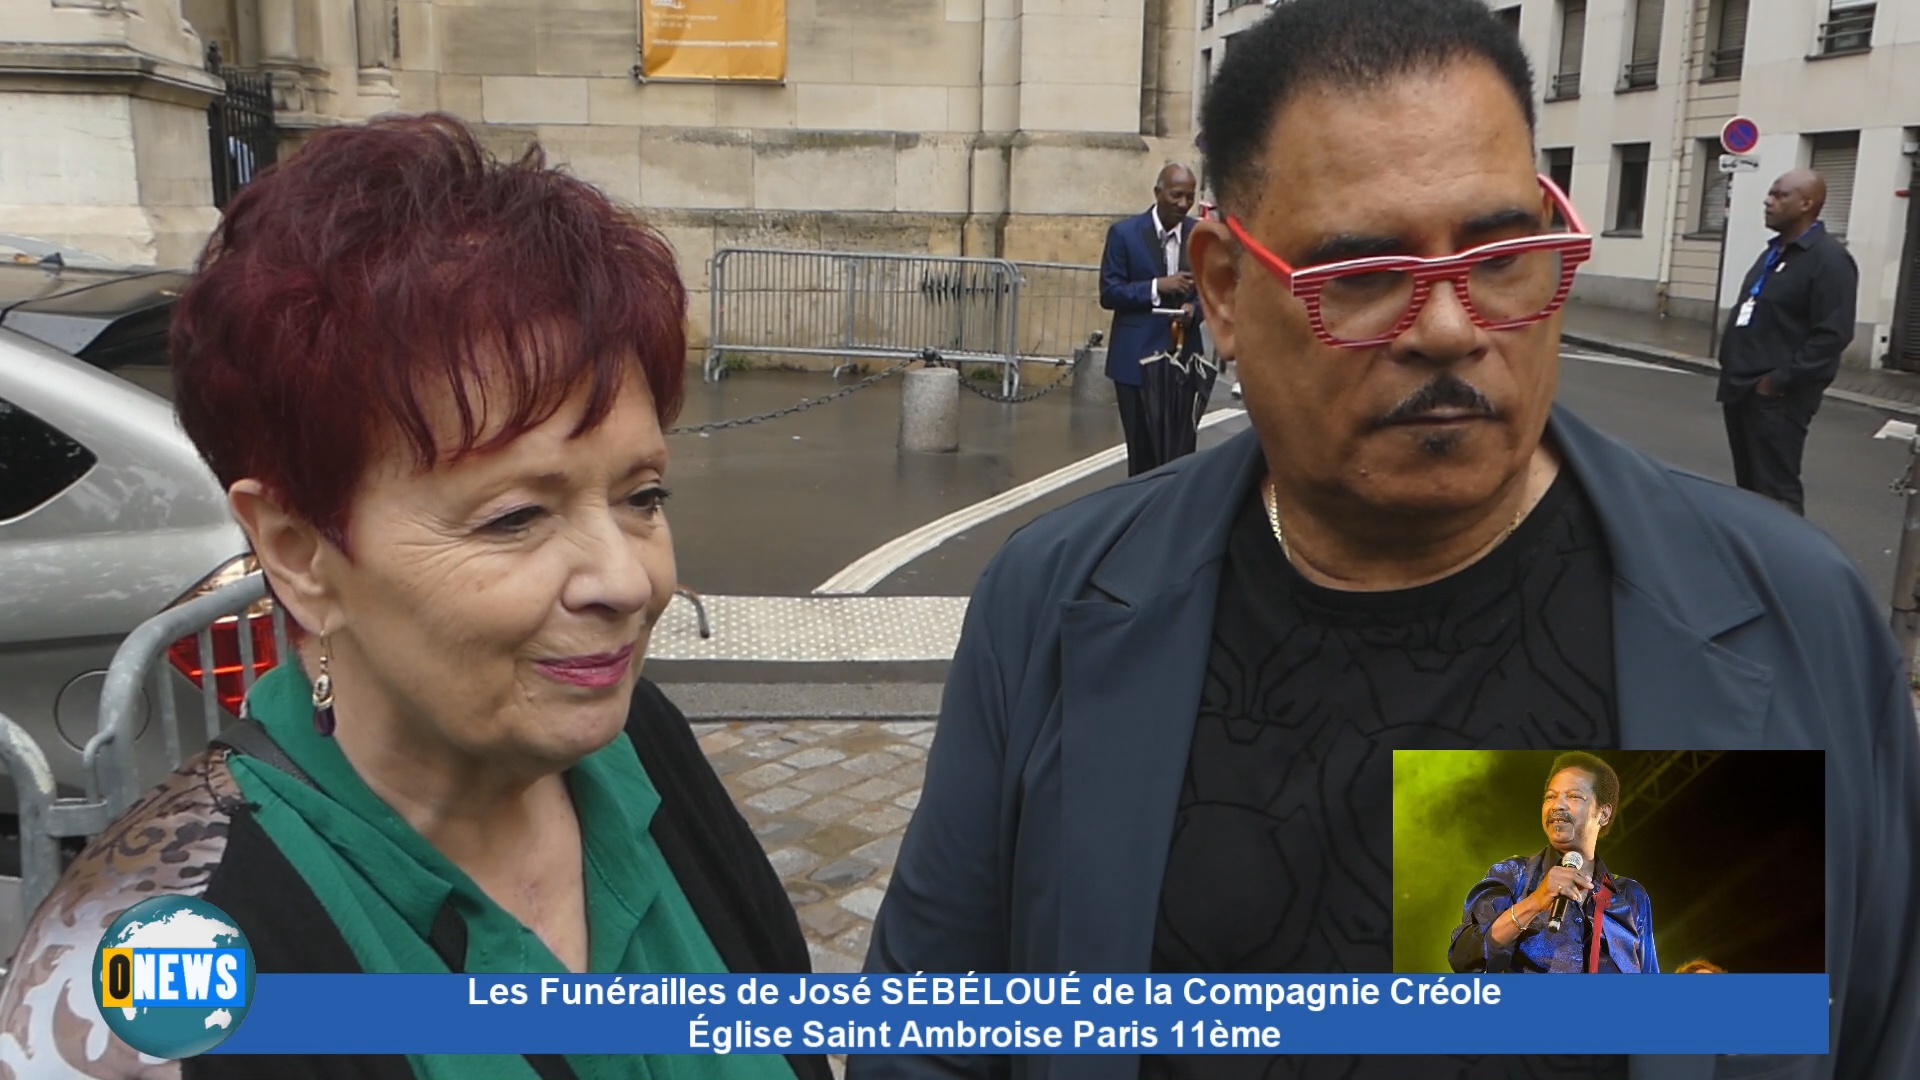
1214	258
291	552
1606	816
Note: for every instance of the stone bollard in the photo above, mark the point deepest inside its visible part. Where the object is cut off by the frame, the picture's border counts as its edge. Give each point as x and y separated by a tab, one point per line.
1090	382
930	410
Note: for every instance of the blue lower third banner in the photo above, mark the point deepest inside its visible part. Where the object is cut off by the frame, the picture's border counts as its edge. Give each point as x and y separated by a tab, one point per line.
1031	1014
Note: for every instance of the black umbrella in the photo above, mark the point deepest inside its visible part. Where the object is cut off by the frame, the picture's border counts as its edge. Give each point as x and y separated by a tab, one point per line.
1176	385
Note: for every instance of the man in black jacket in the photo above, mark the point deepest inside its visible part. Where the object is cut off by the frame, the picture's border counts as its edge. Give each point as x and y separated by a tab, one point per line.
1792	320
1166	743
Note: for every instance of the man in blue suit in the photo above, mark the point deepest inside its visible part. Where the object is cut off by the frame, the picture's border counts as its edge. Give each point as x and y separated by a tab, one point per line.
1145	267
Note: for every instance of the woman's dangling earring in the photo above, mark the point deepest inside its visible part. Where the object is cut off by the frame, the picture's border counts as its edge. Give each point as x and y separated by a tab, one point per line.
323	695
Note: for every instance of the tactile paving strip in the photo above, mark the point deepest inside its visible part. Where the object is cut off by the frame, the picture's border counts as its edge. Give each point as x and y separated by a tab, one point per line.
822	629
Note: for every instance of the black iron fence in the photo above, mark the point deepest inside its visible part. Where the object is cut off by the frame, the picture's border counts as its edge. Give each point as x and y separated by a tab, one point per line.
241	136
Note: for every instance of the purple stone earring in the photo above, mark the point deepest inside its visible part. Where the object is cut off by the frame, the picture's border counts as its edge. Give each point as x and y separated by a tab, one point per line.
323	695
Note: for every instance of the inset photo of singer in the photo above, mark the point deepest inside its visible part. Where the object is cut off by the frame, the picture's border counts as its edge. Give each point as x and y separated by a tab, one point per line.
1609	862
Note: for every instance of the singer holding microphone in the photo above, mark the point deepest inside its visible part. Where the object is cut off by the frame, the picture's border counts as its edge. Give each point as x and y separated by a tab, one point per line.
1537	913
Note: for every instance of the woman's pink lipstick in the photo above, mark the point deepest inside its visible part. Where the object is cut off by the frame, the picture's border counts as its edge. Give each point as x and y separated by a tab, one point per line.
595	672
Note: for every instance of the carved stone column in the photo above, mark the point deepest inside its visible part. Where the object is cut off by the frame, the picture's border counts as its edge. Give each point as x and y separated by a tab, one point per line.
103	128
376	25
282	55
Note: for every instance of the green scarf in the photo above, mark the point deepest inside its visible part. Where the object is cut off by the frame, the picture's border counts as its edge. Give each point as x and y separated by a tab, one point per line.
383	883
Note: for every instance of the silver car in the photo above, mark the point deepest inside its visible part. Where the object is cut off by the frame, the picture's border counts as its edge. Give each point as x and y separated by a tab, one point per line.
107	516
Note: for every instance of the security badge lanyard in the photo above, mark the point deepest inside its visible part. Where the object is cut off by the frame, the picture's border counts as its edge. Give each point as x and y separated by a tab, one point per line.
1776	251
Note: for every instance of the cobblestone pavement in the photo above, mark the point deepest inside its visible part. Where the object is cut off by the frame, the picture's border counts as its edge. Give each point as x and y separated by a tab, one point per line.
829	801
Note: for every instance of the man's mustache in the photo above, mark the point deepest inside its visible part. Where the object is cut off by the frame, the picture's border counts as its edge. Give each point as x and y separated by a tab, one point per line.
1445	391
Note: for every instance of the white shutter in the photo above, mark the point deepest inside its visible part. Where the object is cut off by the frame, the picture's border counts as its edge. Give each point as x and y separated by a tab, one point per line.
1573	36
1834	157
1647	15
1733	26
1713	188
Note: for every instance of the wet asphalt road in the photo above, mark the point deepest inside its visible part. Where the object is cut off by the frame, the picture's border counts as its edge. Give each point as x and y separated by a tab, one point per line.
775	509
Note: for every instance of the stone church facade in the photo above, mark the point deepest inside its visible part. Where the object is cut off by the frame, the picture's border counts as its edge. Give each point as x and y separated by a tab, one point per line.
1016	128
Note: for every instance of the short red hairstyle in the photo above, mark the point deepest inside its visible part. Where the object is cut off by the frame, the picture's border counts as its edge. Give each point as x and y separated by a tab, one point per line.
388	265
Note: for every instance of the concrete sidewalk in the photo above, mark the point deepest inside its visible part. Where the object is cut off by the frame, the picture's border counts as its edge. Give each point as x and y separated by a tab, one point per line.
1683	343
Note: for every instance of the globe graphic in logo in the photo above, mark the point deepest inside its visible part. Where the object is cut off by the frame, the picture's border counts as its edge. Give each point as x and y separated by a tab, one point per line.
173	976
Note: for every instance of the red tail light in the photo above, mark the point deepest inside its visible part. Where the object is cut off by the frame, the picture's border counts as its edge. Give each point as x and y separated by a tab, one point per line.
227	664
227	661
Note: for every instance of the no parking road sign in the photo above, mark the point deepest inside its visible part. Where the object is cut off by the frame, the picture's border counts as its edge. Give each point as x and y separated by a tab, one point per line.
1740	136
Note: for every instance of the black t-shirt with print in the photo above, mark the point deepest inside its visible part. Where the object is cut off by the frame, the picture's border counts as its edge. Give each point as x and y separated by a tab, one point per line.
1281	859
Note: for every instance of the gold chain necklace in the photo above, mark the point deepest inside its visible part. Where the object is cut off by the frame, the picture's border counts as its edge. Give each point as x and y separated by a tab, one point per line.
1273	519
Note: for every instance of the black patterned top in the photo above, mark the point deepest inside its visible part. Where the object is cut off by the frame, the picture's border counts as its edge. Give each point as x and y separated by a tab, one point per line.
1281	859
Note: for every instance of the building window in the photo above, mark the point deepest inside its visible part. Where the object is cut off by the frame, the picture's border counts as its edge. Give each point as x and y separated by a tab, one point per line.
1711	218
1834	156
1206	14
1573	42
1557	163
1630	187
1849	27
1727	39
1643	58
1511	16
1206	72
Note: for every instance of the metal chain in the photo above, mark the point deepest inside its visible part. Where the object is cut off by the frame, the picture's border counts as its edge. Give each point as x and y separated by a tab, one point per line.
800	406
1066	376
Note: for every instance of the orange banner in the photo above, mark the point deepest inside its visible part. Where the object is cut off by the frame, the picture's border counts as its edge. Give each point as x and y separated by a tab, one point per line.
714	40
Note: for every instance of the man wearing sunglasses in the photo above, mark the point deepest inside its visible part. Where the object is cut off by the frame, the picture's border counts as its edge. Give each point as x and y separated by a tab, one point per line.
1166	743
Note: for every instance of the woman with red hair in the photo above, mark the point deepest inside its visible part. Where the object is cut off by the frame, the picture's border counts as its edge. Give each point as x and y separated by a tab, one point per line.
435	387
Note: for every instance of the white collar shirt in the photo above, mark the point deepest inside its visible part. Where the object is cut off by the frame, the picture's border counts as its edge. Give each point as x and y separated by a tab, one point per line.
1169	240
1169	246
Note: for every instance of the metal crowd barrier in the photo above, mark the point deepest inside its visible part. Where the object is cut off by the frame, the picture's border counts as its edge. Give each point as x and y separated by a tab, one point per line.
46	818
112	783
39	850
853	306
1059	311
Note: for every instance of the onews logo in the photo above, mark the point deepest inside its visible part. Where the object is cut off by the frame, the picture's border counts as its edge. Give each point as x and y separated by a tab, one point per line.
173	976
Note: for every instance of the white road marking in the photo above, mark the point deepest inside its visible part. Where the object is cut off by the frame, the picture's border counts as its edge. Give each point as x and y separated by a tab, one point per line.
877	565
1619	361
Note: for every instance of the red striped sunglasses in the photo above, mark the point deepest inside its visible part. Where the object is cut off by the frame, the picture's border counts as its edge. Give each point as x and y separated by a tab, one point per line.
1359	303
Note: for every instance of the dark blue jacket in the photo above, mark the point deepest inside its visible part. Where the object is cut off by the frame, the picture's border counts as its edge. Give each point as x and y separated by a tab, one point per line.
1628	924
1132	260
1044	823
